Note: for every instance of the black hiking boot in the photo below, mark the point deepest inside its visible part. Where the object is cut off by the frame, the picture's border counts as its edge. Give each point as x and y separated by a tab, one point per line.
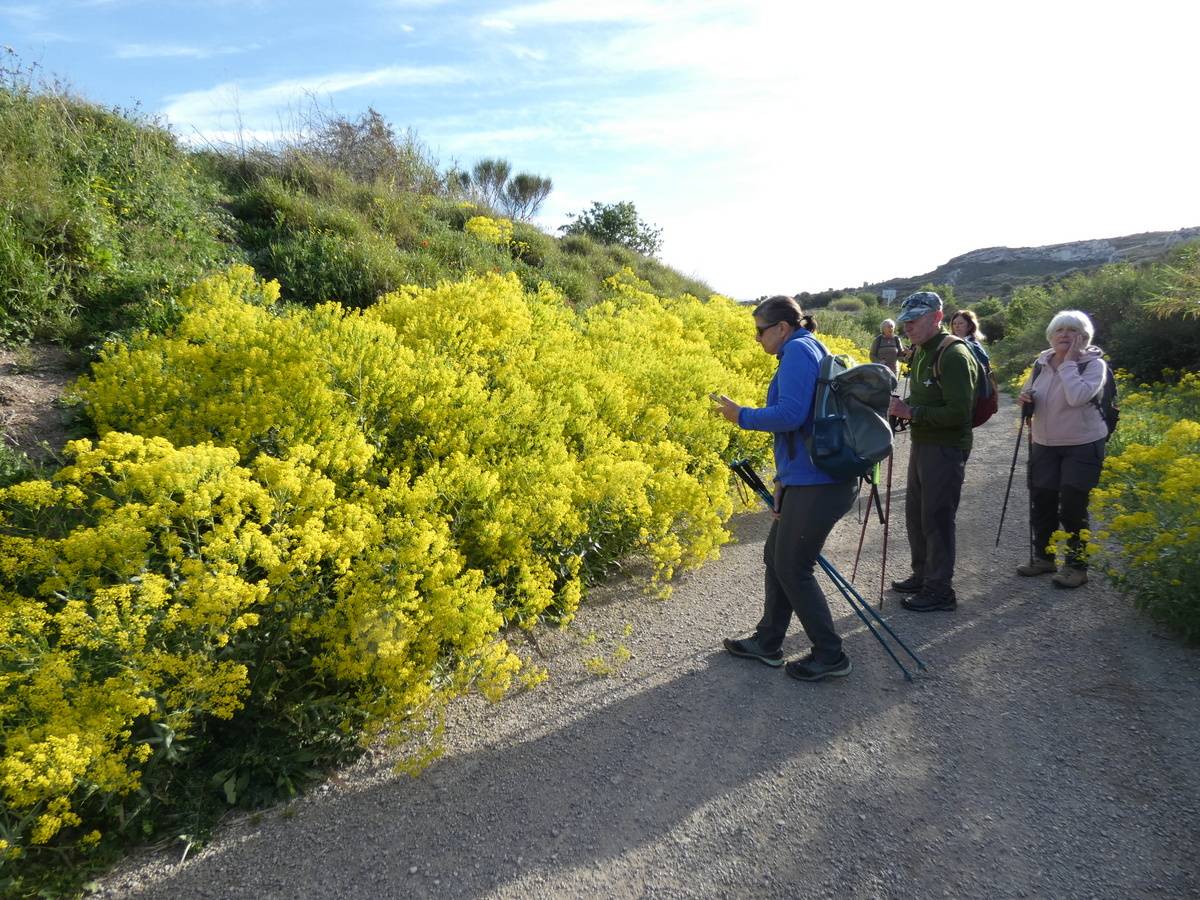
928	601
910	585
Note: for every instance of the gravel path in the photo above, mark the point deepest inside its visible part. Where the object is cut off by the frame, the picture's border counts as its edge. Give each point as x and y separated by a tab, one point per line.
1050	751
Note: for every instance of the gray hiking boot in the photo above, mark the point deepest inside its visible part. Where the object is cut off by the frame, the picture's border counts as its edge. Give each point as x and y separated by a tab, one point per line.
1037	566
1070	577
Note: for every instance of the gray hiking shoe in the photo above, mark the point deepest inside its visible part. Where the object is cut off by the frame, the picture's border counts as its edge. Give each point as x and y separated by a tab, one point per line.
1037	566
1070	578
750	648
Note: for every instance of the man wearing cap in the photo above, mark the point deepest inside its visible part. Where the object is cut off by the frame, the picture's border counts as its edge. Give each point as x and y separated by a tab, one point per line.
940	410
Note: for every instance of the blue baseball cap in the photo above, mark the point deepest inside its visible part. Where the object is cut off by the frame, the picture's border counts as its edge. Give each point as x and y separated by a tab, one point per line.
916	305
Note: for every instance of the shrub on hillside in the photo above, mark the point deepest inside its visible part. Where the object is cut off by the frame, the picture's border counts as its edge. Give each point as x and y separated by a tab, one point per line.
847	305
325	265
436	397
369	150
1147	504
617	224
170	614
392	487
103	216
1120	299
994	327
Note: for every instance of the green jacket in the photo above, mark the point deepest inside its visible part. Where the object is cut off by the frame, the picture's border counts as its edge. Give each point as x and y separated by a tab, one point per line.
942	411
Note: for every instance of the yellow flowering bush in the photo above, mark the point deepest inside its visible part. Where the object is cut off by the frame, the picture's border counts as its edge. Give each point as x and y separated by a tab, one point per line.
1149	501
162	606
302	526
489	230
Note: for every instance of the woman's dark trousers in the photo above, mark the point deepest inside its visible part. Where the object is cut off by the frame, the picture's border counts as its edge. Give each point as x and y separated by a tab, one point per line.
1060	479
808	514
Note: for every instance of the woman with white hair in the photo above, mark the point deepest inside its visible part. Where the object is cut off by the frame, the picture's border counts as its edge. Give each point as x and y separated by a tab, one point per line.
1069	434
886	348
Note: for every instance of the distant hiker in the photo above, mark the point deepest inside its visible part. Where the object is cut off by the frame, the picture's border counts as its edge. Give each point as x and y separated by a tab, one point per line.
808	323
808	502
965	325
887	348
1069	439
940	410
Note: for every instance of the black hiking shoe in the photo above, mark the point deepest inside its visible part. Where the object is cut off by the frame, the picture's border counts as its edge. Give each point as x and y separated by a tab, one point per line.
750	648
910	585
927	601
808	669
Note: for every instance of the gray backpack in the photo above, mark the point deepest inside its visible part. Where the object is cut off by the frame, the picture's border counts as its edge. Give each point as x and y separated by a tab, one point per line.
849	431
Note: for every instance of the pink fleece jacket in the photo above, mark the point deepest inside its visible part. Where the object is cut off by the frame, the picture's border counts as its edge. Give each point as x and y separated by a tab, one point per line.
1063	412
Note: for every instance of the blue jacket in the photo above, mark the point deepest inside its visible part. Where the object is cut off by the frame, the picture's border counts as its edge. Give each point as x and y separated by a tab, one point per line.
789	407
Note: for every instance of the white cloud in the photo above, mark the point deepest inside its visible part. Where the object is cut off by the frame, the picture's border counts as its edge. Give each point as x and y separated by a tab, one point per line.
561	12
210	110
176	51
498	24
528	53
498	141
26	12
410	4
408	29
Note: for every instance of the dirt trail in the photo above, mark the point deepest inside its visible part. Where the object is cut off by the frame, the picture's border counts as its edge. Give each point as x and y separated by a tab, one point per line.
1050	751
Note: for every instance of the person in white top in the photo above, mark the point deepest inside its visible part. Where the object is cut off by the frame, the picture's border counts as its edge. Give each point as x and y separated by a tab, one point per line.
1069	438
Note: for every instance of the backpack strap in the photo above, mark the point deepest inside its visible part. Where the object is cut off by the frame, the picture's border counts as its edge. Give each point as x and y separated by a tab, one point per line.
790	436
947	340
1097	400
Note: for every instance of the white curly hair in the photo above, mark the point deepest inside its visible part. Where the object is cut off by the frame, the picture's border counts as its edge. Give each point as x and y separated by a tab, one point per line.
1071	318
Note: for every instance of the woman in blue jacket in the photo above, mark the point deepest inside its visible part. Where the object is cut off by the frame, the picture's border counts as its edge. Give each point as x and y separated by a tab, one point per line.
808	503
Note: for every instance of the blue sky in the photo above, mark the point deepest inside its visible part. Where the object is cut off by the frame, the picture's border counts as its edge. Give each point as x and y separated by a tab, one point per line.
781	146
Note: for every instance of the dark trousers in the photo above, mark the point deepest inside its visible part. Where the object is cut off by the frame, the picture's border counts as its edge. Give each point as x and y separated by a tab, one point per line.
808	514
935	477
1060	479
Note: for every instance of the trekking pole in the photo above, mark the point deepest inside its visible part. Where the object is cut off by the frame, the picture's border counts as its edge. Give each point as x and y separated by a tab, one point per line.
1011	470
872	495
746	472
847	586
858	604
1029	486
887	520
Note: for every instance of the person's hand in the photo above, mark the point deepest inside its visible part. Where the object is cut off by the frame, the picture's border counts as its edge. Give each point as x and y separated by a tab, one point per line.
1026	399
778	508
1078	345
723	406
899	409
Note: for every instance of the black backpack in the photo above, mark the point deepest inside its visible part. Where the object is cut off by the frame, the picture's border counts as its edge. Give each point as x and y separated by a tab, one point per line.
1105	401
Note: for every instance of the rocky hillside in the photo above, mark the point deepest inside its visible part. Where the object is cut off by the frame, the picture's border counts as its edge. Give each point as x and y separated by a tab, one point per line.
996	270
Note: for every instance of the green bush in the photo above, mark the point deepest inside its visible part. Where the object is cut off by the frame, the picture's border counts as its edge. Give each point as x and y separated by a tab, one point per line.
847	305
102	214
321	265
1120	300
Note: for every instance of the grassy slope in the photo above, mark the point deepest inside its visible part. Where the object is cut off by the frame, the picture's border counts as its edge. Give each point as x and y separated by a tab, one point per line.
104	217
